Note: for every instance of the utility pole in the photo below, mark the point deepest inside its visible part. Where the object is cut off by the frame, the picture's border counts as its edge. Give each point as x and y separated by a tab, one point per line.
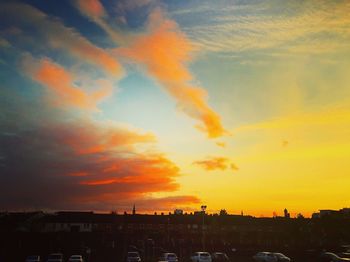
203	233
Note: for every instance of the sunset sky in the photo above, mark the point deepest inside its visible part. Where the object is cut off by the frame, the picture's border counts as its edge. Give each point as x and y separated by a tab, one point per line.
235	104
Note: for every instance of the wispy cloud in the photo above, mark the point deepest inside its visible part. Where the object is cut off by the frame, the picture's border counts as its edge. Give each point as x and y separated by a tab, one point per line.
214	163
293	27
164	51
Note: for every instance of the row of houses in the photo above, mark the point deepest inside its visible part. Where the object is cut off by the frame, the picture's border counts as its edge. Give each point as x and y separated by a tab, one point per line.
97	222
182	231
101	222
341	213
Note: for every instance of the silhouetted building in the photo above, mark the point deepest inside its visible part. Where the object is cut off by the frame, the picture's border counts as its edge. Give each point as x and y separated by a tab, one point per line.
286	213
182	230
341	213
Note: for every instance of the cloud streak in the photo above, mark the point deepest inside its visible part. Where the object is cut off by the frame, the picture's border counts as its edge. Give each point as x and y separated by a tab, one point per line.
216	163
60	81
165	51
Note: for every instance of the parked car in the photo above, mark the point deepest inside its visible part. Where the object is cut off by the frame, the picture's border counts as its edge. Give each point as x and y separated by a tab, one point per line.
201	257
331	257
33	258
219	257
265	257
76	258
170	257
281	257
55	257
133	256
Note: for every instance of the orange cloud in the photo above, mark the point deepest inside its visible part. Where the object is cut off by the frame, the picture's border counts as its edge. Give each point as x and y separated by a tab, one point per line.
213	163
91	150
71	163
109	139
134	175
127	138
123	168
100	182
60	82
78	174
164	51
92	8
149	173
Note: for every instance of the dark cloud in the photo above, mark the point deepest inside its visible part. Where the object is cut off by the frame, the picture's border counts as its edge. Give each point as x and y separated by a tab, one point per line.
49	160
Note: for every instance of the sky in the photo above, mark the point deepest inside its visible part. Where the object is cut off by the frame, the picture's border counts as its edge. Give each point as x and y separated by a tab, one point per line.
241	105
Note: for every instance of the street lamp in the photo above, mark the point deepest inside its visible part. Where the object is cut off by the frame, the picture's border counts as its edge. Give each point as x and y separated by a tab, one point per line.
203	235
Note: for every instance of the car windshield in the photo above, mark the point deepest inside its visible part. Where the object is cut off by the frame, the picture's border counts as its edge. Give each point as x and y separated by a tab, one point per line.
133	254
55	256
171	256
204	255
